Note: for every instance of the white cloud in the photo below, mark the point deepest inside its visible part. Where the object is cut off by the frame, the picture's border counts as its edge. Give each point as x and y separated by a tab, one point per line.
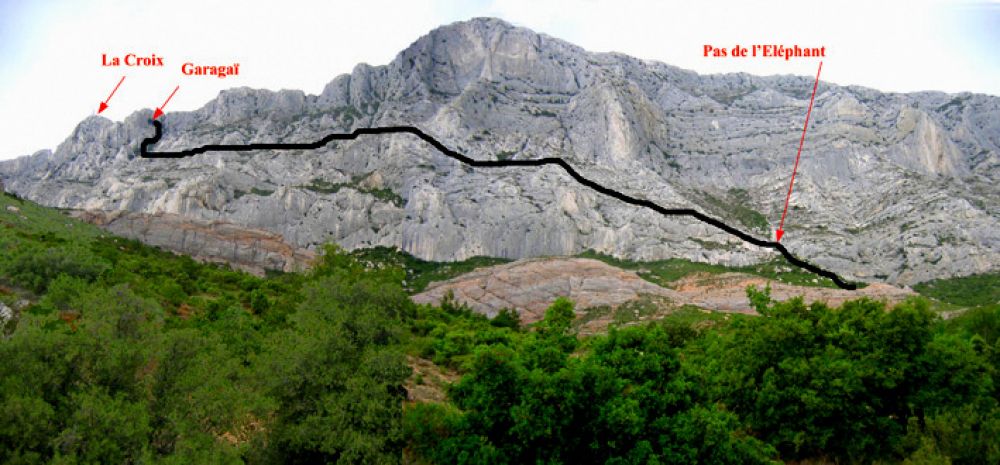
52	77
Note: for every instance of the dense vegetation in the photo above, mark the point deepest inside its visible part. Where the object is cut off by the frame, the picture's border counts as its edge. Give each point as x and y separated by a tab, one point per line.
122	353
857	384
132	355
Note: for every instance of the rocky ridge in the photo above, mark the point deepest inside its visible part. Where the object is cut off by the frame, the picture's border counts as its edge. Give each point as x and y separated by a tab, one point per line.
893	187
249	249
529	286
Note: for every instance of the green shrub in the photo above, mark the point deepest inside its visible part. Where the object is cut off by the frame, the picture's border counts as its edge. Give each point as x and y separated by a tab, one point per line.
35	268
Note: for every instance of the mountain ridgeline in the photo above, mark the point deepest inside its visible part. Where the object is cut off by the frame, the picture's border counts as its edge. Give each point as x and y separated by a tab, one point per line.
900	188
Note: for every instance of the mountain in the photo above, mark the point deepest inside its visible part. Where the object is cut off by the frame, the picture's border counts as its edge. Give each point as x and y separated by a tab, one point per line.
892	187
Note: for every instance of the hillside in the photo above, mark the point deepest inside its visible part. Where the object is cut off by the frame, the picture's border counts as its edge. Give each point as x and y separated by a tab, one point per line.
117	352
899	188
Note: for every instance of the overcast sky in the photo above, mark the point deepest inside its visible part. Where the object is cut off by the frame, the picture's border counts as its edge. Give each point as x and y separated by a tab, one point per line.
51	73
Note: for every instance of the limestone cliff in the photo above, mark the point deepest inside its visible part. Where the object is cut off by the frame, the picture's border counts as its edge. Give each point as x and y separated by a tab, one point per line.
893	187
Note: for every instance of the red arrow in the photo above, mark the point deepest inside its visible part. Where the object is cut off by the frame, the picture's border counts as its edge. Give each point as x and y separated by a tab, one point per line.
159	109
104	104
781	232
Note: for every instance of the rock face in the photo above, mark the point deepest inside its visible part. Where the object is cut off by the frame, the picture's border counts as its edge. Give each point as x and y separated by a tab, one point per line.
249	249
530	286
892	187
727	292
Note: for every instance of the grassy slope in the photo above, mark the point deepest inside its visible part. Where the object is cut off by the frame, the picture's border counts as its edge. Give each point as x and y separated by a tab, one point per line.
178	283
967	291
22	218
420	273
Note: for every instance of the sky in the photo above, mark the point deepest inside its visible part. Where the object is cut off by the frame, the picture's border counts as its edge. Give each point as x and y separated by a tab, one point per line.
51	73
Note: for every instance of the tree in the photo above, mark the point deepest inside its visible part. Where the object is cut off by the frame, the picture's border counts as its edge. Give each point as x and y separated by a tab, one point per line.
336	372
624	400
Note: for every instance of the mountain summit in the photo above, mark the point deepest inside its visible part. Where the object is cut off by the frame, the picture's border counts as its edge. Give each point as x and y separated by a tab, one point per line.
893	187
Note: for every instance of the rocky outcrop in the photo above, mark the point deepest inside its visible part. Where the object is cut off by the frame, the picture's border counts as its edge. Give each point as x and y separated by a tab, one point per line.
248	249
530	286
6	315
727	292
892	187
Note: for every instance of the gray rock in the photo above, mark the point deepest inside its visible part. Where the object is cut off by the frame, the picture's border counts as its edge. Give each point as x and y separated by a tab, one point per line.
6	314
893	187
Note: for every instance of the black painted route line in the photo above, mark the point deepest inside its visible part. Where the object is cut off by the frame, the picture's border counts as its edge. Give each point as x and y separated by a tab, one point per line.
146	153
